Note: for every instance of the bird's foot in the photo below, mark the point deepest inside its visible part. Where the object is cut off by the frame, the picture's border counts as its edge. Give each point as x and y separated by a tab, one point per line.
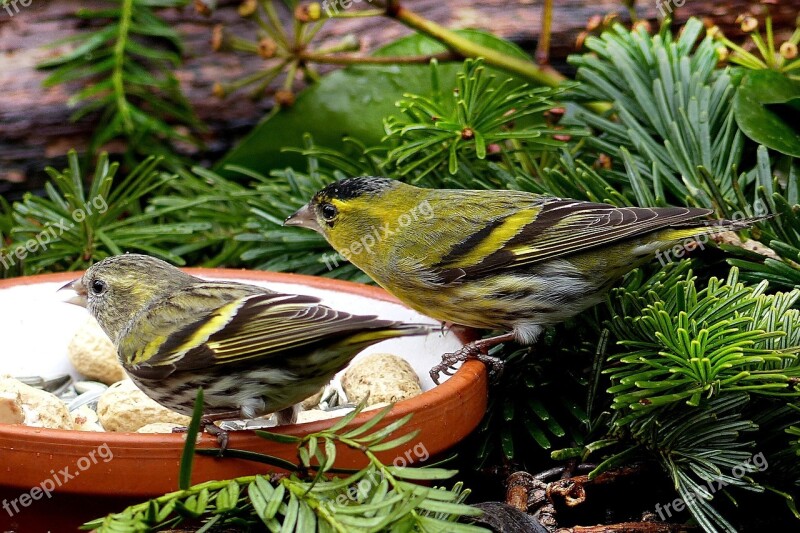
288	416
474	350
207	424
221	434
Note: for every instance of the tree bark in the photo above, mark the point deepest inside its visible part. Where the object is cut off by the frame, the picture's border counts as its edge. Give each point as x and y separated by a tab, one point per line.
35	125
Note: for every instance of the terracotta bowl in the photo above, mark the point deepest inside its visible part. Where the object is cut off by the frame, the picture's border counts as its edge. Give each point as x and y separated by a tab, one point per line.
146	465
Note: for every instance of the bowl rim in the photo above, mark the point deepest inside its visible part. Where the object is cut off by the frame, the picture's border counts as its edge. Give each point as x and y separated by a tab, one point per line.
471	374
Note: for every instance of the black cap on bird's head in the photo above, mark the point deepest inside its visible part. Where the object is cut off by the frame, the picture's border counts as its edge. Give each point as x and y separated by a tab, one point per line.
350	188
323	208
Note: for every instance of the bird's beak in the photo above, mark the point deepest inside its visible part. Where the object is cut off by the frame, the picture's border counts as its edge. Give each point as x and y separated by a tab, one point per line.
79	297
303	217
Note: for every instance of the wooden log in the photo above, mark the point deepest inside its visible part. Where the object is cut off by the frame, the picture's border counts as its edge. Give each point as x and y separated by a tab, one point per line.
35	126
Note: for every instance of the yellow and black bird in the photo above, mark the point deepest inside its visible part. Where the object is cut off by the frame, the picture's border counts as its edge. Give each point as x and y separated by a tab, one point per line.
252	350
493	259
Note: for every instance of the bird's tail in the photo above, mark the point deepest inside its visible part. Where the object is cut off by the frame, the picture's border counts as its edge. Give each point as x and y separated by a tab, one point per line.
383	330
724	224
696	228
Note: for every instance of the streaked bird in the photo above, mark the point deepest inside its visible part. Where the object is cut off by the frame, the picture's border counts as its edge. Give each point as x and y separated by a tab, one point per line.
252	350
493	259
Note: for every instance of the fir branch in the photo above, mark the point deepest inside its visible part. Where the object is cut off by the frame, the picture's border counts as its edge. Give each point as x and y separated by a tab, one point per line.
223	206
795	432
674	111
275	247
480	114
700	450
375	498
697	370
682	344
779	193
537	405
74	226
125	67
673	138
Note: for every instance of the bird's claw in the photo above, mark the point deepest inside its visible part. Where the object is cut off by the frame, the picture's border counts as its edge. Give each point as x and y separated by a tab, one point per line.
473	350
221	434
212	429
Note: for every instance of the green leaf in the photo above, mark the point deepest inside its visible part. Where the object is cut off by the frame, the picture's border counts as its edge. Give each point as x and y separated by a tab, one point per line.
419	474
259	496
92	42
187	457
275	501
449	508
767	109
346	419
394	443
278	437
369	424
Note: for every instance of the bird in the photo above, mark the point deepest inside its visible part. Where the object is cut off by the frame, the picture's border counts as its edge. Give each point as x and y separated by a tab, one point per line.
503	260
254	351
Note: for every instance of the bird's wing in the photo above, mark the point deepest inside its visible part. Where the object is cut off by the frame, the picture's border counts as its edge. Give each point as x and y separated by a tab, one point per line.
249	327
554	229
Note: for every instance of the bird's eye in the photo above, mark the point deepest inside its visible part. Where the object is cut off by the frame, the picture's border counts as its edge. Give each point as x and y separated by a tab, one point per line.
329	212
98	286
